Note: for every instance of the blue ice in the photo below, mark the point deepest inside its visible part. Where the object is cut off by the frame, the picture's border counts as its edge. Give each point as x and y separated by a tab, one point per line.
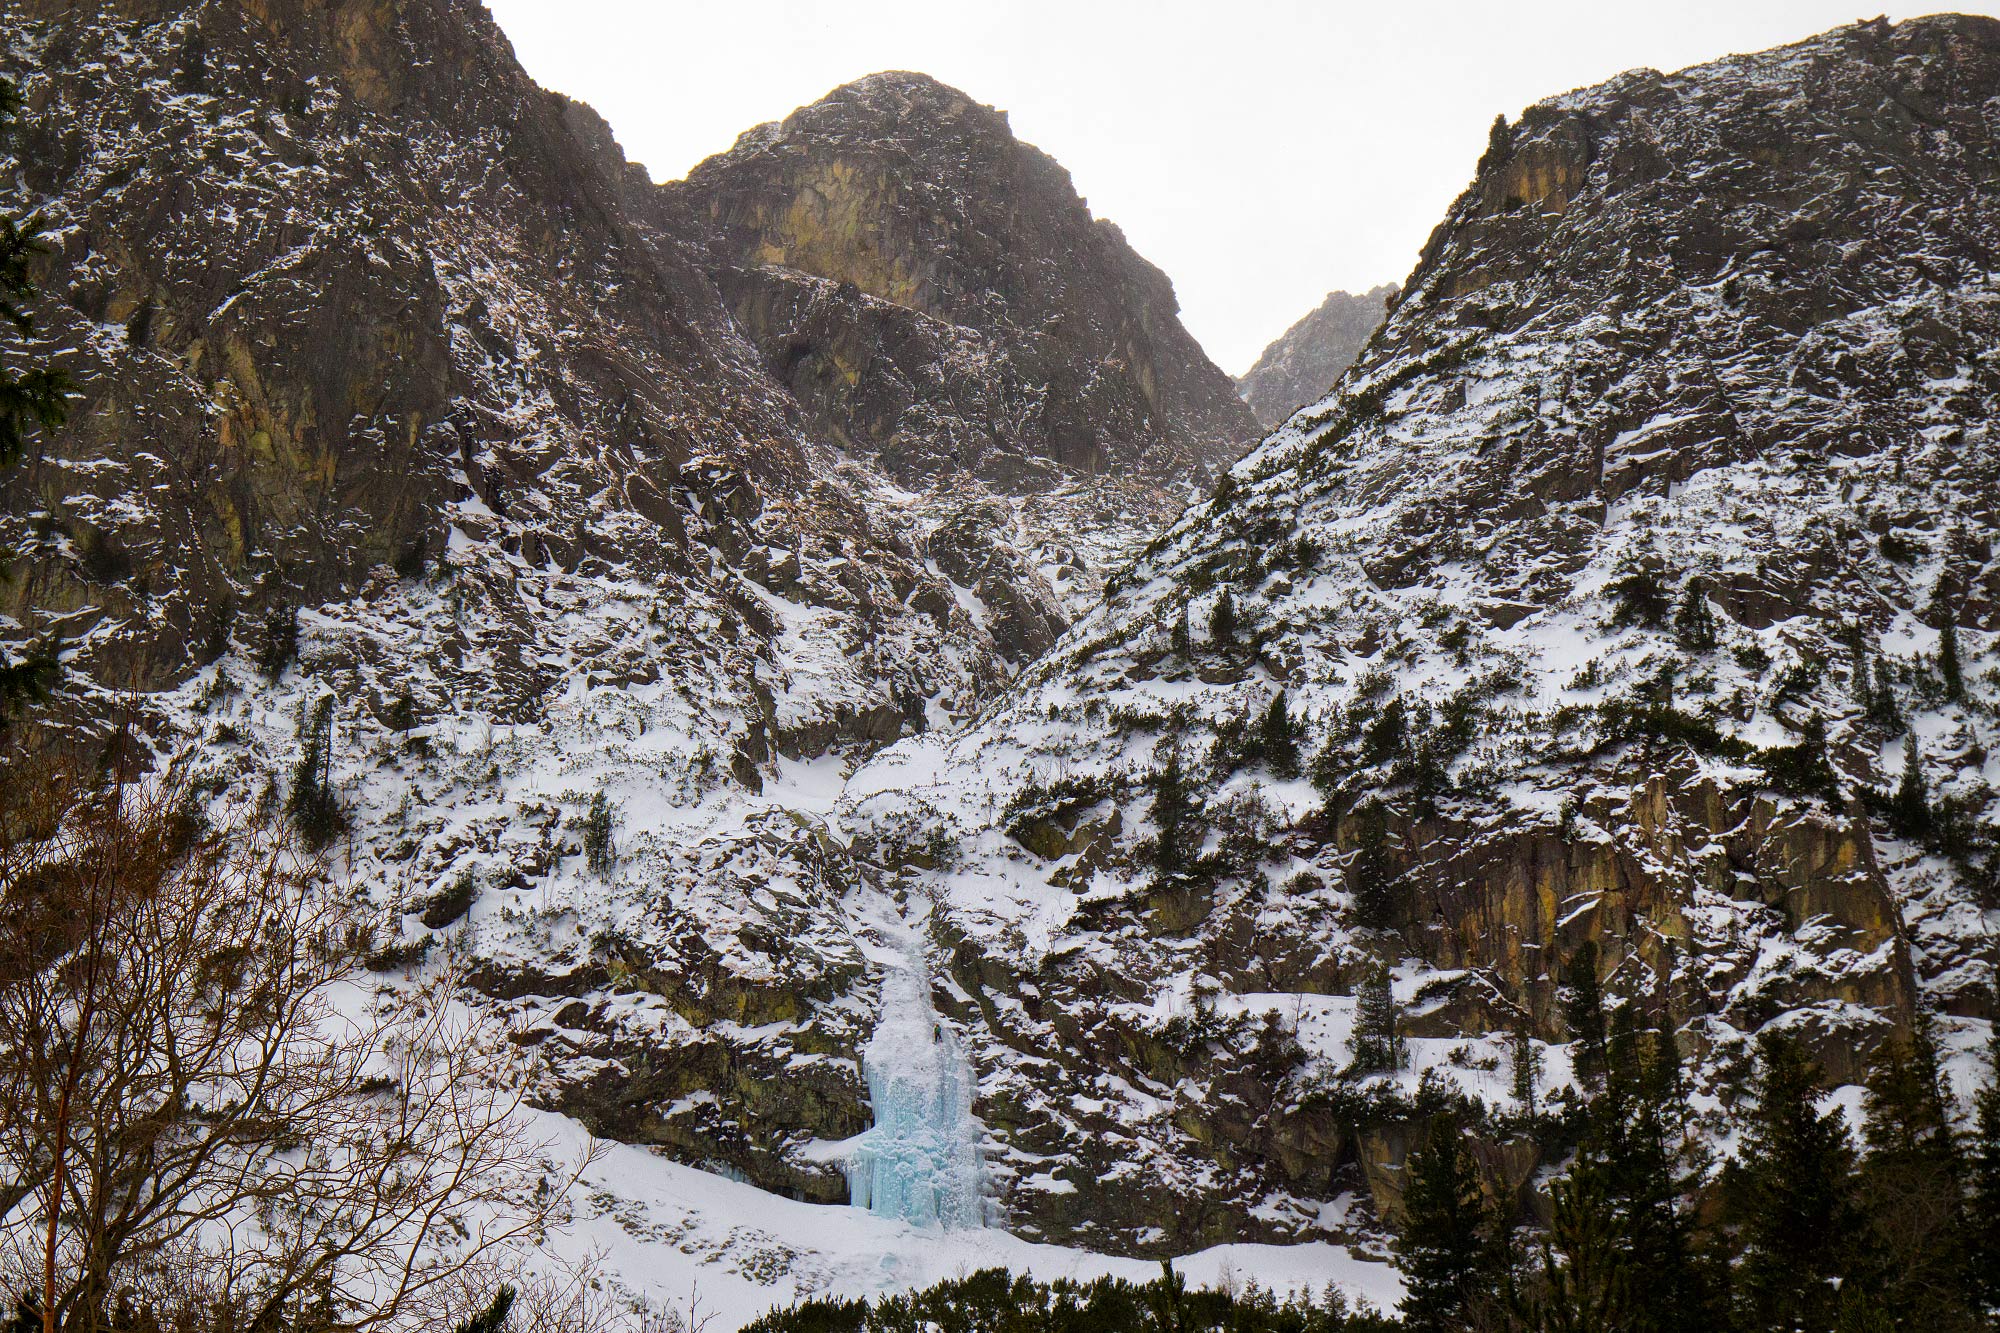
921	1162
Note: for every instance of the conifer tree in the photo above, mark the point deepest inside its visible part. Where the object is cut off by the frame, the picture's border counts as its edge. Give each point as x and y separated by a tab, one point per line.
1180	636
1624	1065
1641	597
1631	1187
1173	808
1524	1062
1278	738
493	1319
1815	772
1588	1281
402	716
1446	1248
1882	710
1371	878
1950	670
1377	1040
1912	802
280	645
1694	622
1982	1204
1911	1182
1222	620
1665	1084
1386	734
598	853
312	806
1583	1012
36	396
1793	1200
1906	1104
1652	1189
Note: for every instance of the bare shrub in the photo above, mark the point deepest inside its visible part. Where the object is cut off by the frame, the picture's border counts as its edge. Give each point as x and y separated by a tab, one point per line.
210	1117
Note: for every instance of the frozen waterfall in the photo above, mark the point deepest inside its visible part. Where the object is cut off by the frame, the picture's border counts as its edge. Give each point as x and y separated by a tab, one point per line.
922	1161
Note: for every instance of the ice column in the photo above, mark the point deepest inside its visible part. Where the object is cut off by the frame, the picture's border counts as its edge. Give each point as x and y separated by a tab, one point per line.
921	1162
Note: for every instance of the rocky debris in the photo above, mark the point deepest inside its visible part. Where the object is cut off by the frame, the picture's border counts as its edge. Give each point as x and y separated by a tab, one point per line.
975	548
1590	622
1303	364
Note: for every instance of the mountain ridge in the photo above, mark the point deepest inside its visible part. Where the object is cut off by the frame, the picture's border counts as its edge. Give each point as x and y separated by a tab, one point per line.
1526	644
1303	362
403	391
1529	647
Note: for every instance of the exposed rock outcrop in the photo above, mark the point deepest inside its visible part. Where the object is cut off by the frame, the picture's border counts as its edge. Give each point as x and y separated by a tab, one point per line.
943	305
940	299
1303	364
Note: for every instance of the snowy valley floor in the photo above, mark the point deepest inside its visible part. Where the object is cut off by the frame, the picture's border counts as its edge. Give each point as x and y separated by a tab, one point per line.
676	1236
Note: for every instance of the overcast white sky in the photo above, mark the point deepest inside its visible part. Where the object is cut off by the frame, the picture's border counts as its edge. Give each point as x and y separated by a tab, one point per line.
1262	152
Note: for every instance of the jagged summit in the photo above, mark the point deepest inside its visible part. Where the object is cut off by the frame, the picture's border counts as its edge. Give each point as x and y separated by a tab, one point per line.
941	299
1303	363
897	97
1590	621
886	101
928	118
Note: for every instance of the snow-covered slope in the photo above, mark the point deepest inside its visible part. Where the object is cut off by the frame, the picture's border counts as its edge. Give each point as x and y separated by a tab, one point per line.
1548	630
1685	411
689	1241
377	340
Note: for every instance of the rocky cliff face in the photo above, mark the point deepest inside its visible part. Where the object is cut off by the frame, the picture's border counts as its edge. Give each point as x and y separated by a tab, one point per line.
401	388
942	301
1588	623
1651	531
355	305
1302	365
944	307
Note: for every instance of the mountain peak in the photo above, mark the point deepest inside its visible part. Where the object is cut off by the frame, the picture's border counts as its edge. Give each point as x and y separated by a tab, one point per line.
899	190
917	89
1303	363
877	107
